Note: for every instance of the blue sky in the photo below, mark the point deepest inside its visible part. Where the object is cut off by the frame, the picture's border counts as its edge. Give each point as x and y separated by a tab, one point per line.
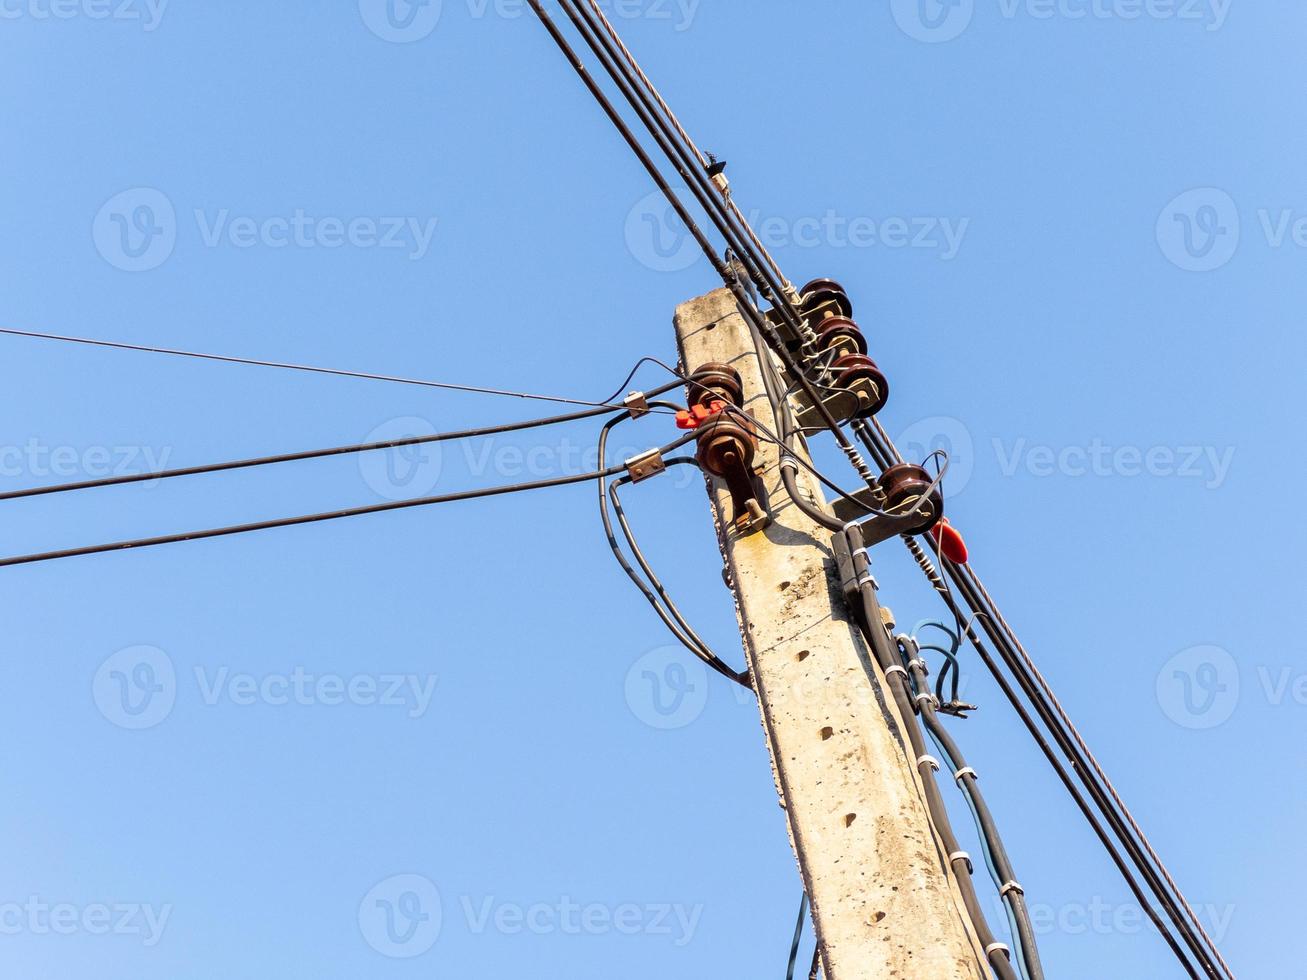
1074	232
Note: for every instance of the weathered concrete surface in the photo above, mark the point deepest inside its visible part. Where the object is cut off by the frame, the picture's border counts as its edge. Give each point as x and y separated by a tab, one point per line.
883	905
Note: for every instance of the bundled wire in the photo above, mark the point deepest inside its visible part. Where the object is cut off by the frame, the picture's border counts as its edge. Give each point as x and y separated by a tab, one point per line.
1104	811
328	515
702	189
898	679
366	447
996	856
650	585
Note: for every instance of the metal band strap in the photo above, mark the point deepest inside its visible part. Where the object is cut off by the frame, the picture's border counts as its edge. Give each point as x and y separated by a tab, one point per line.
966	771
933	762
998	947
1011	886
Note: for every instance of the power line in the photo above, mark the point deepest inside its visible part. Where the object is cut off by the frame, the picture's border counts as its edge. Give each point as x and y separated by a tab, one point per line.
329	515
592	26
320	453
230	359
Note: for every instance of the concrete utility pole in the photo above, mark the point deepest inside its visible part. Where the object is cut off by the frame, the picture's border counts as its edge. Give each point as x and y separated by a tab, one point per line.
883	904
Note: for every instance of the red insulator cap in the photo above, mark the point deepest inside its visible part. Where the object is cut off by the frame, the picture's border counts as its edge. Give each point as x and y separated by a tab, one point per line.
949	539
697	415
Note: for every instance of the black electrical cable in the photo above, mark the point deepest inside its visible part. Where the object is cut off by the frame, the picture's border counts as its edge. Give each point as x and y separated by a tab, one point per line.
598	32
727	276
882	450
732	281
996	616
490	430
669	613
329	515
798	935
1085	773
879	641
255	362
968	780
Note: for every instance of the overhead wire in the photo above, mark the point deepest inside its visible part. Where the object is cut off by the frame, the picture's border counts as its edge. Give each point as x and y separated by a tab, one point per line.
229	359
328	515
156	475
970	572
704	160
711	205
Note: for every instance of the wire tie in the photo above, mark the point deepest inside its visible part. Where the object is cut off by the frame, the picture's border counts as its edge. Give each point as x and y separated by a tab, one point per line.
866	578
861	551
920	665
927	699
934	764
966	771
962	856
789	462
896	669
1011	886
636	404
998	947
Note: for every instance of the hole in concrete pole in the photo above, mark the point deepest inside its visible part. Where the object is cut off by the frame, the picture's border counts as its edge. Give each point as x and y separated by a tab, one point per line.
804	655
827	734
849	818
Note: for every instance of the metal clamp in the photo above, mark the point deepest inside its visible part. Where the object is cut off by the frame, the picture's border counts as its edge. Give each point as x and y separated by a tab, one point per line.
998	947
928	760
896	669
962	856
637	404
1011	886
966	771
647	464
